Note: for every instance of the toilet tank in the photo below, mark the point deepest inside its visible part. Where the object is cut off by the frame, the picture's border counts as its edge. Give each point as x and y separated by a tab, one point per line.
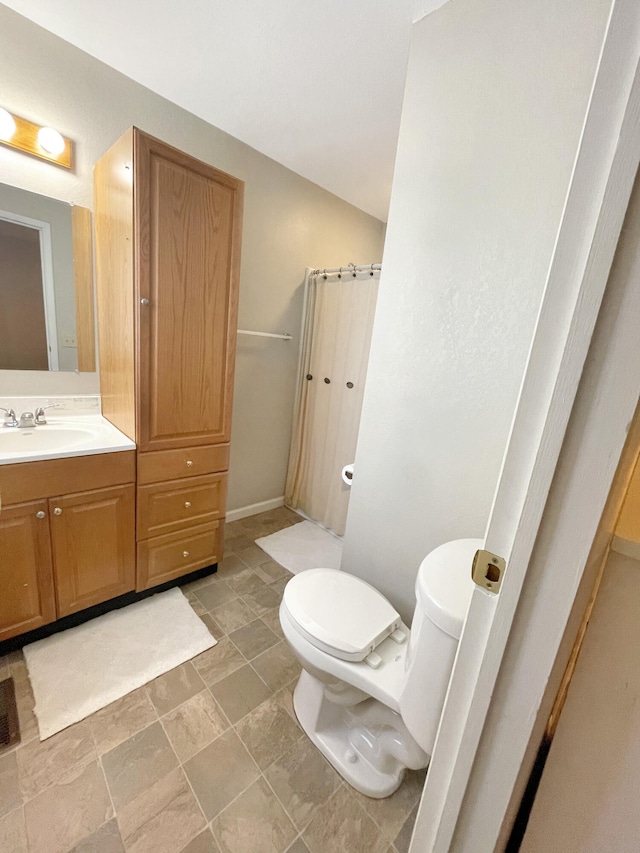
443	594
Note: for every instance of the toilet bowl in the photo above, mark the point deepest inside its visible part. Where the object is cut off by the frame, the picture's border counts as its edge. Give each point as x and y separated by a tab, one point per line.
372	690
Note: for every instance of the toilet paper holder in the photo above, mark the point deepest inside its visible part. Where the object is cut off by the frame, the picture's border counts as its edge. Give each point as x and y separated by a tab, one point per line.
347	474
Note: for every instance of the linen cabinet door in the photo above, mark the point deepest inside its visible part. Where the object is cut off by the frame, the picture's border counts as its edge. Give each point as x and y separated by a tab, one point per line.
27	599
188	220
93	537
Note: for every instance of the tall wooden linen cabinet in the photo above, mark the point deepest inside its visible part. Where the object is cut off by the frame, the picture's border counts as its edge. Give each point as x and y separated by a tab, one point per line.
168	231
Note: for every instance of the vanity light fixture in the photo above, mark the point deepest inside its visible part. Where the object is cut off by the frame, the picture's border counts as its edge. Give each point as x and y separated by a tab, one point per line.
43	142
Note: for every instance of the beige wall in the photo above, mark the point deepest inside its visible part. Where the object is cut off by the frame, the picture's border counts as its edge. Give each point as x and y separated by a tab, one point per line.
494	106
587	801
289	224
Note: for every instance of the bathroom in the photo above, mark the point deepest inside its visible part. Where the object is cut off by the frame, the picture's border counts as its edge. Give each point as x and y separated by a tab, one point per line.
422	477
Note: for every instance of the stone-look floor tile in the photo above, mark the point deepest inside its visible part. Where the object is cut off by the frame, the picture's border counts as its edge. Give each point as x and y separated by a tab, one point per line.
390	813
219	772
215	594
233	544
122	719
11	658
268	732
214	629
272	619
279	585
343	826
253	639
255	821
303	781
298	846
68	811
104	840
253	556
25	702
41	763
246	581
203	843
196	605
272	571
13	832
218	662
194	724
10	796
233	615
163	818
403	838
137	764
174	687
232	564
262	600
197	584
278	666
240	692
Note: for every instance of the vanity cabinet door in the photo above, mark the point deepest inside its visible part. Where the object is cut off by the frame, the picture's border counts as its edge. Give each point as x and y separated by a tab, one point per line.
93	540
188	228
27	599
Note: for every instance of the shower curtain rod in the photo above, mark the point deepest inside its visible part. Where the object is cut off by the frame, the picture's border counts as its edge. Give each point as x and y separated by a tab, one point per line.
350	268
285	336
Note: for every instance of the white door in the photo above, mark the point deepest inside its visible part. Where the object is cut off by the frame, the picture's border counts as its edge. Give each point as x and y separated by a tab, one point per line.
603	176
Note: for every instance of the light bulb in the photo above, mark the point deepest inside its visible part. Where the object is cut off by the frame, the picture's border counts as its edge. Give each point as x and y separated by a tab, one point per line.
7	124
51	141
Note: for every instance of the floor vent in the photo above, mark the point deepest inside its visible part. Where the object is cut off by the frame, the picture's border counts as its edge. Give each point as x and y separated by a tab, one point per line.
9	725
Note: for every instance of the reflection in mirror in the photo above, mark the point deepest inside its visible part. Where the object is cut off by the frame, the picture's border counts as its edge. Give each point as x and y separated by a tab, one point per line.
46	284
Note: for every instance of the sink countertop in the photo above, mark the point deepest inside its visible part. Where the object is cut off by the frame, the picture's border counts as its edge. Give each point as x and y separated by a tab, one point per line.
81	435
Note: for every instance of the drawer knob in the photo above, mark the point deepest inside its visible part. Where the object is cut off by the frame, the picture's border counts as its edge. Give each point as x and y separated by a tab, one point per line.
189	463
57	511
40	514
187	504
185	553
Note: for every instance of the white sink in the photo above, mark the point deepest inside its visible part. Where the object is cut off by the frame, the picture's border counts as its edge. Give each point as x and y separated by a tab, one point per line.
48	437
60	438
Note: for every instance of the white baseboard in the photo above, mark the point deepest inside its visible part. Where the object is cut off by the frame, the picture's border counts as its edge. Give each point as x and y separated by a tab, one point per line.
626	547
254	509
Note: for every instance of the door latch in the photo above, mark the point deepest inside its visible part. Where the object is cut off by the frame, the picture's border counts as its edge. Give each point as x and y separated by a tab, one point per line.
488	570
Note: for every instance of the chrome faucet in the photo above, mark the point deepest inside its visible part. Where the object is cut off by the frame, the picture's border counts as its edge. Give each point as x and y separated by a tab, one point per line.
10	419
27	419
40	413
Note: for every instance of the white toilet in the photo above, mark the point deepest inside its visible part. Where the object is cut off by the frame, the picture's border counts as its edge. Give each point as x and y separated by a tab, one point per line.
372	690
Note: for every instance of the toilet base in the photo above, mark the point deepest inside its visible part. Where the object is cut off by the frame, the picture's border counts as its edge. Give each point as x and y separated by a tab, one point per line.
358	741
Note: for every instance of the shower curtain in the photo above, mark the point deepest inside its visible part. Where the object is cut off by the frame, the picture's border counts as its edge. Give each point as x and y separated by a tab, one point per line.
335	352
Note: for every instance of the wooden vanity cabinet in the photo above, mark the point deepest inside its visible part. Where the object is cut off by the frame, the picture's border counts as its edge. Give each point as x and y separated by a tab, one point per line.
64	553
168	231
27	596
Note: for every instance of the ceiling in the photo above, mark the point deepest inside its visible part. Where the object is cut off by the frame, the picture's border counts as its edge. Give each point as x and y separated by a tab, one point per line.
315	84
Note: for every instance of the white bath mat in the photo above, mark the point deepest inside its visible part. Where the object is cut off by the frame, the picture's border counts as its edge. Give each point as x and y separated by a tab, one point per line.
303	546
83	669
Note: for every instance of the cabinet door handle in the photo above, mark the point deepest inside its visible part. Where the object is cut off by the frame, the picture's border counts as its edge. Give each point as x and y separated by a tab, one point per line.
40	514
189	463
185	553
57	511
144	301
187	504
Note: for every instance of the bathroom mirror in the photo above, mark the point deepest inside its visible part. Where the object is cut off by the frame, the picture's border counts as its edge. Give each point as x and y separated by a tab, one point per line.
46	283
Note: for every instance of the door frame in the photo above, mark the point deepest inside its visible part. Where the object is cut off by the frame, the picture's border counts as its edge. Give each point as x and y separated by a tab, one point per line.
604	171
46	270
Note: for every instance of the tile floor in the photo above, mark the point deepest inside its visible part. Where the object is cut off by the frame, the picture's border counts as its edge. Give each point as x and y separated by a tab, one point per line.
208	758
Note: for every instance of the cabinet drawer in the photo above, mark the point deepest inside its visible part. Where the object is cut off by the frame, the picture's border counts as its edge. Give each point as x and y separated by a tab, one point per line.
169	507
186	462
164	558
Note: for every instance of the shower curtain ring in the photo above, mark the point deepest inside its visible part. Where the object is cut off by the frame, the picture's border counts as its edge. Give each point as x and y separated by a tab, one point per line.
340	273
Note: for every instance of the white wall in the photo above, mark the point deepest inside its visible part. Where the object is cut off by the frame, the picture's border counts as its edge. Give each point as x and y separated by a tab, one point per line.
289	224
495	101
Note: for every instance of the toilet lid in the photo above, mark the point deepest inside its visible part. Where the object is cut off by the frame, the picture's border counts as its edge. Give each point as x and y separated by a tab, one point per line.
339	613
